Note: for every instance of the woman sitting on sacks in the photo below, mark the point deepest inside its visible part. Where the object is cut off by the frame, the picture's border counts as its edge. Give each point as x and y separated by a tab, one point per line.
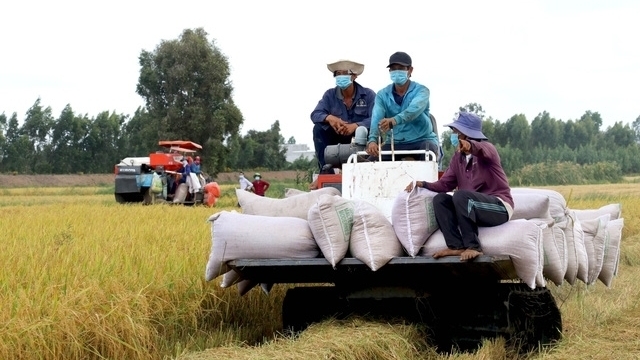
483	197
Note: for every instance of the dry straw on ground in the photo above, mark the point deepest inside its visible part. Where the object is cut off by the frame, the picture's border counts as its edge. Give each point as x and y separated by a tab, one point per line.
85	278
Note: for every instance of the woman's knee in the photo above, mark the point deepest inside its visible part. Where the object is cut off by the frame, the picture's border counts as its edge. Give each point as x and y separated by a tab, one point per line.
461	197
441	199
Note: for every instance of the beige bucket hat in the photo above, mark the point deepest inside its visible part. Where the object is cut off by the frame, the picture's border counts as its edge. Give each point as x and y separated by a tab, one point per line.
354	67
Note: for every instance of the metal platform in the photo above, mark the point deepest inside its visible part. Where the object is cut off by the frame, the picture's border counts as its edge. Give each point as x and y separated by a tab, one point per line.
397	272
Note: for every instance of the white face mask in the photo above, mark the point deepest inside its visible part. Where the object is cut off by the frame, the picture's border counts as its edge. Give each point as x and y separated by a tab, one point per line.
257	178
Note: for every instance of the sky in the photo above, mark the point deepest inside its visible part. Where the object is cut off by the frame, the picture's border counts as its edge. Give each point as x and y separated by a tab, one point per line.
511	57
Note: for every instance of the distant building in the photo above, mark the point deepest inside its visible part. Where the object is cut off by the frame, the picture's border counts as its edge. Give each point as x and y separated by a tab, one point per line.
295	151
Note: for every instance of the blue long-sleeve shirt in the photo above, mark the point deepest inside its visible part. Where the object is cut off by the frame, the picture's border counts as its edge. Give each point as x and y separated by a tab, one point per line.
332	104
185	171
411	113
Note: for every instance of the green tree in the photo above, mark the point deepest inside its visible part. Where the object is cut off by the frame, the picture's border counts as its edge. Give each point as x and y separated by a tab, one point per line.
67	140
546	131
257	149
618	135
291	140
473	108
37	125
636	128
103	142
18	150
185	84
3	140
518	132
139	134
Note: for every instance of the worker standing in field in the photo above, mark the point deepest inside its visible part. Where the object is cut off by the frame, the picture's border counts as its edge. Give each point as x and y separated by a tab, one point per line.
260	186
245	184
195	166
483	196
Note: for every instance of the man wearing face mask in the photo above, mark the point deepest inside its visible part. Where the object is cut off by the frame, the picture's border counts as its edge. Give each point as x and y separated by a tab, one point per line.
344	111
402	107
483	196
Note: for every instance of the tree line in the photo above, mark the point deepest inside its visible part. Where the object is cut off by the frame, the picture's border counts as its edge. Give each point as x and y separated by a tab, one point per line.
188	96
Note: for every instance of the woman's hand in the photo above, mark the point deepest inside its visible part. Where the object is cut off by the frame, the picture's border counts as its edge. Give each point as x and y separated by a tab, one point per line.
410	186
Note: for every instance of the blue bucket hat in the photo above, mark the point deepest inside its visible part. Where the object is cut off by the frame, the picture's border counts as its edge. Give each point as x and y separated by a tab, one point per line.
469	124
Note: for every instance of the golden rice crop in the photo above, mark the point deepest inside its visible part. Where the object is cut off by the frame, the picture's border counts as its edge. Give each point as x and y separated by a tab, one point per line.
85	278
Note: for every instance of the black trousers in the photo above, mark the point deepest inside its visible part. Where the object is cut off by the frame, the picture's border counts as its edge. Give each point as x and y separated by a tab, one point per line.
459	216
324	135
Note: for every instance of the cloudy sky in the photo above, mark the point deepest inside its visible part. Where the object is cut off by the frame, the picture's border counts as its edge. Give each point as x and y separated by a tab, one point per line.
511	57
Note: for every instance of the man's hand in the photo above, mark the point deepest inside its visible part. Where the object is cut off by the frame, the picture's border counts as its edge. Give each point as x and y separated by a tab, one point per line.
336	123
348	129
464	146
372	149
386	124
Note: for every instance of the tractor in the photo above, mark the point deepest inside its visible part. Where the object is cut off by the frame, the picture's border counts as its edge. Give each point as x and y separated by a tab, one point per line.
156	178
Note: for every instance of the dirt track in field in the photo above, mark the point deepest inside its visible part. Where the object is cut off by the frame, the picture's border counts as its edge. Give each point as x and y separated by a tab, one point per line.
13	181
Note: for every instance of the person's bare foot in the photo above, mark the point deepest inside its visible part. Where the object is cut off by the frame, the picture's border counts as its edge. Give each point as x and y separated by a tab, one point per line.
314	185
469	254
447	252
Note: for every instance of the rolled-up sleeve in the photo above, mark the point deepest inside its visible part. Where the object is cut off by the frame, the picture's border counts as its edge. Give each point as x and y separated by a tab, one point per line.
417	106
377	114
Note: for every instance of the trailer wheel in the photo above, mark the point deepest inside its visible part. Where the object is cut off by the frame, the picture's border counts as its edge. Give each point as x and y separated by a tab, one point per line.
534	319
526	318
303	306
124	198
120	199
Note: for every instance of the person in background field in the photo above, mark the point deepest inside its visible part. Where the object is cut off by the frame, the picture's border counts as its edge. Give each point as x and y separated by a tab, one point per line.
195	167
185	171
260	186
403	108
244	183
344	110
483	196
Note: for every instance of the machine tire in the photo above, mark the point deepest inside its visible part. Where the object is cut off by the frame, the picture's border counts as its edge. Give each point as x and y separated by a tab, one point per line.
534	319
120	199
129	198
526	318
303	306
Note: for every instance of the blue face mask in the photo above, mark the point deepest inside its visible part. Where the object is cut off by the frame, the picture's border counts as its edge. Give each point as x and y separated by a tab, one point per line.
343	81
399	77
454	140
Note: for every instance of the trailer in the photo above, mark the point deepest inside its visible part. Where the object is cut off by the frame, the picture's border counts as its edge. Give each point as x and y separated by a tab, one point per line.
461	303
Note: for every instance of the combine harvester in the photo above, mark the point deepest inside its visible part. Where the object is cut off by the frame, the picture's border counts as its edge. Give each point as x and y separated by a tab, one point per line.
149	179
460	302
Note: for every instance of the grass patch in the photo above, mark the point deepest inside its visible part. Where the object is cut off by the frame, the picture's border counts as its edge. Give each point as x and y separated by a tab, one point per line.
86	278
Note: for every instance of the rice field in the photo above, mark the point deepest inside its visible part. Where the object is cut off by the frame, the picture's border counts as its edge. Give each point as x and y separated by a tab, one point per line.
86	278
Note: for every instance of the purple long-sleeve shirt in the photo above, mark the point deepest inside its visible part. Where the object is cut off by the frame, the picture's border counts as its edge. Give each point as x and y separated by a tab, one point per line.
483	173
